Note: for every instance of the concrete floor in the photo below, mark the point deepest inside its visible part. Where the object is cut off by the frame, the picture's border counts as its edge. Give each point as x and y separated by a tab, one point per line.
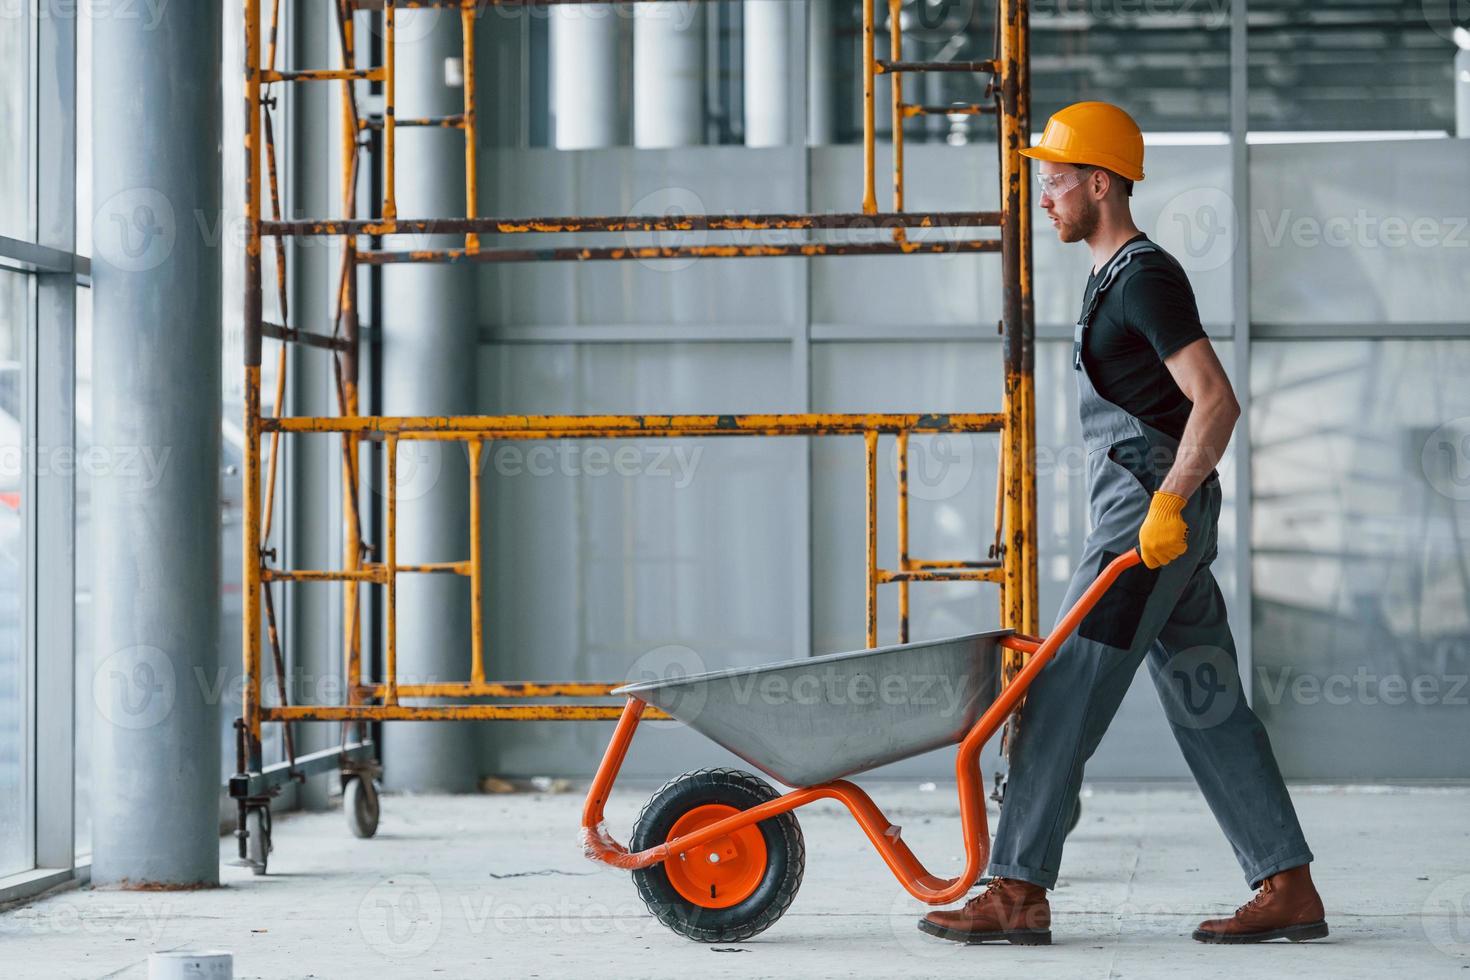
495	886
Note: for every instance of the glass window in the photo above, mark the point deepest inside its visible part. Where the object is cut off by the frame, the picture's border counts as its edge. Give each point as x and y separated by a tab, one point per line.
1343	65
1361	528
1167	62
15	121
17	852
34	125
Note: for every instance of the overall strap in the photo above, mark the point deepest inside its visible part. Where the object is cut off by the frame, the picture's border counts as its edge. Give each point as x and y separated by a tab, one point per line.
1110	275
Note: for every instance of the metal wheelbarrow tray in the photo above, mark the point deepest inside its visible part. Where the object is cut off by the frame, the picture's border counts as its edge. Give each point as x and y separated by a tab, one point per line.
717	854
817	719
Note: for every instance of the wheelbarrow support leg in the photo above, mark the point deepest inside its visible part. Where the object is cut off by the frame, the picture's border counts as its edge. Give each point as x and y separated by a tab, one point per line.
596	842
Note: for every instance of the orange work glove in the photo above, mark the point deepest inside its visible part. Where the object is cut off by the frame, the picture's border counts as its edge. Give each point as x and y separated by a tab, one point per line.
1164	536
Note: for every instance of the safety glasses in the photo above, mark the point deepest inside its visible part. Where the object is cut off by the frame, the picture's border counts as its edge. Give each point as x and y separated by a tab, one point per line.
1055	185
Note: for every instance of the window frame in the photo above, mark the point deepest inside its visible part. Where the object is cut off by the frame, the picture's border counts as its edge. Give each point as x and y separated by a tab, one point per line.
48	260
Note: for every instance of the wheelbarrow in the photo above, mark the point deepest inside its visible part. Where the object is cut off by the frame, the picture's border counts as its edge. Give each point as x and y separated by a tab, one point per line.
717	854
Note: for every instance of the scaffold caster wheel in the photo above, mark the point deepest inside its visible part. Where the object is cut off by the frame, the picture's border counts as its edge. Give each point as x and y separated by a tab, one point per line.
360	804
258	843
733	887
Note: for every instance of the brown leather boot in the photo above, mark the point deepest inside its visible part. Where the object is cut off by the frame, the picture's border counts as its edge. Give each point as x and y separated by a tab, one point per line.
1286	907
1008	909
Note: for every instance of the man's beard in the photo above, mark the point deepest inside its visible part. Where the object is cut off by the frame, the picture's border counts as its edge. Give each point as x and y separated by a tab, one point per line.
1081	227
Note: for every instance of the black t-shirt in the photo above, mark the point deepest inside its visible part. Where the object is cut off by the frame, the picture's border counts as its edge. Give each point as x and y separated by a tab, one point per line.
1146	315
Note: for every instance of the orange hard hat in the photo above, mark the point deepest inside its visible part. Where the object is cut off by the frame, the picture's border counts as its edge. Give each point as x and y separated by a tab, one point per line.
1098	133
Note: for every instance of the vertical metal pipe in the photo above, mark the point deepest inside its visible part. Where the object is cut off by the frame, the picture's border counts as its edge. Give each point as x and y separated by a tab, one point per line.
1030	613
1014	540
870	67
471	181
269	148
351	554
269	494
584	75
903	535
895	89
1002	456
250	613
668	74
390	572
390	101
250	450
767	59
348	365
477	568
870	446
157	752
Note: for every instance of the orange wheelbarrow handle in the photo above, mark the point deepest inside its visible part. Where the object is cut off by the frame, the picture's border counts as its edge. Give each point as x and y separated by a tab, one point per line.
1042	650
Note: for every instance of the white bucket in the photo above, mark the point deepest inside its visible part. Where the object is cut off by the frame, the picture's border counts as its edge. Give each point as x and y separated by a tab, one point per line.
184	965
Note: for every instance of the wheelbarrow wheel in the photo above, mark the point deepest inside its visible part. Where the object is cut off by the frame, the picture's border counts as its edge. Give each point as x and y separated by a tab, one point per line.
733	887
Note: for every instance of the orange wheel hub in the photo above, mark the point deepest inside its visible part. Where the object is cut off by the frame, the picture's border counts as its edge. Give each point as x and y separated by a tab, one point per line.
723	872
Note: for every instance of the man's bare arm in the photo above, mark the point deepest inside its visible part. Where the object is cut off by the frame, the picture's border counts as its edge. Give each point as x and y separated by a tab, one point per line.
1201	377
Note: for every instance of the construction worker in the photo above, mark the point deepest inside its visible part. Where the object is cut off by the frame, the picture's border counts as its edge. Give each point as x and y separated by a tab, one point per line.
1157	411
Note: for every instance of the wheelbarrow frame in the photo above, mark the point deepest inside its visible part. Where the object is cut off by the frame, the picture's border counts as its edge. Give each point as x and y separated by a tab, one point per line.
885	836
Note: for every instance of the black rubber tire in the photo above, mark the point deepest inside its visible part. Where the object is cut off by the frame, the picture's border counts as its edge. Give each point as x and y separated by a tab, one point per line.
785	857
360	806
258	844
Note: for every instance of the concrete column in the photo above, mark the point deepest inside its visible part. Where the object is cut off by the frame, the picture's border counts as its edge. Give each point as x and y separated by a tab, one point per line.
156	750
584	75
430	347
312	495
819	122
767	73
668	74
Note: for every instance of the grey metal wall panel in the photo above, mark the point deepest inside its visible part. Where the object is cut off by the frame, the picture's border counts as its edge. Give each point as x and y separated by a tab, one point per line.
1360	233
624	181
905	291
676	559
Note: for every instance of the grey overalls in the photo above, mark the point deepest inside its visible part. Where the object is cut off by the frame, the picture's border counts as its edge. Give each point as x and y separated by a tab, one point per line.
1175	616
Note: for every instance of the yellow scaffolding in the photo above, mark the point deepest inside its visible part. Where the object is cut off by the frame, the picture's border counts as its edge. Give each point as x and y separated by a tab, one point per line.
1012	559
